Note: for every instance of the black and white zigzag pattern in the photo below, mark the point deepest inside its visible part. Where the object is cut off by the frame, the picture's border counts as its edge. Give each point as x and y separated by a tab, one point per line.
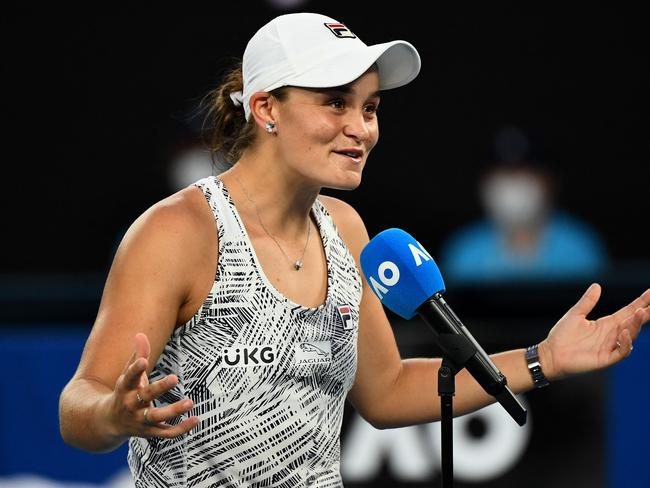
268	377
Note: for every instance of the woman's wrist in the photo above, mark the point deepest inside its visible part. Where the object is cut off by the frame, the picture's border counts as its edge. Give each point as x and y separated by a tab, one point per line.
106	429
105	416
86	417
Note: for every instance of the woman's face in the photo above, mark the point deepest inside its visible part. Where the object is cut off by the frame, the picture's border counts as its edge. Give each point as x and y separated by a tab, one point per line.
325	135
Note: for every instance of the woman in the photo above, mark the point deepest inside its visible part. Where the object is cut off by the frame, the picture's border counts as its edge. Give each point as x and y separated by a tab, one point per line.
239	376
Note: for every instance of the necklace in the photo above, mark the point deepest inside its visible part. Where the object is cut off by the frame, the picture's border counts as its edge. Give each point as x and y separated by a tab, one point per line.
296	264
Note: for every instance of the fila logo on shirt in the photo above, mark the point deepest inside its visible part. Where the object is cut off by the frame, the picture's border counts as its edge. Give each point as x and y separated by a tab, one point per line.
339	30
240	355
346	316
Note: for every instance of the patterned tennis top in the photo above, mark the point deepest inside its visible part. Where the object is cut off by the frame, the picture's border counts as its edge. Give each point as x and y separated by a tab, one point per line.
268	377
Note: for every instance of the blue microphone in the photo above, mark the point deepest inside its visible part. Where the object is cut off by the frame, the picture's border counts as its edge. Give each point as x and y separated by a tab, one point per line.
407	281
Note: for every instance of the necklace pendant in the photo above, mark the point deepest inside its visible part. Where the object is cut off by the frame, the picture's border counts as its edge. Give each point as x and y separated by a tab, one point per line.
297	265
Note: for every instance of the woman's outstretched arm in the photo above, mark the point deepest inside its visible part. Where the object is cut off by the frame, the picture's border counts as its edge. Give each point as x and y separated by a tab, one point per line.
149	281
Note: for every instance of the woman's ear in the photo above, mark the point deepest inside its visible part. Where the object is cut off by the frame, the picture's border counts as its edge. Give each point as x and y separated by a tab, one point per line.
262	108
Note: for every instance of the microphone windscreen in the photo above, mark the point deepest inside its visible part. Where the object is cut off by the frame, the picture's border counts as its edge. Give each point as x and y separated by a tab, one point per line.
400	271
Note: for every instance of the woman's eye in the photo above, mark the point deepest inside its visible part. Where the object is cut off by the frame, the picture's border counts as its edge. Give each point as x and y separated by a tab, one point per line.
371	108
337	103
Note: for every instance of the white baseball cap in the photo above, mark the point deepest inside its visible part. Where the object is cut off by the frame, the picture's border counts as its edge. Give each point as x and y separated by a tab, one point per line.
314	51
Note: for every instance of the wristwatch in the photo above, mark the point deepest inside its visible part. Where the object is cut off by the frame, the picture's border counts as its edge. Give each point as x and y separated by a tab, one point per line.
532	358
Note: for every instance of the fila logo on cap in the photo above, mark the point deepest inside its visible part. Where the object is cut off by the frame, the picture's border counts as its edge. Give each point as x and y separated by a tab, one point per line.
346	316
339	30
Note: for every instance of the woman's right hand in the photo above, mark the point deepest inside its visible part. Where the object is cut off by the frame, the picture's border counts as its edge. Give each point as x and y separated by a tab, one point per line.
131	411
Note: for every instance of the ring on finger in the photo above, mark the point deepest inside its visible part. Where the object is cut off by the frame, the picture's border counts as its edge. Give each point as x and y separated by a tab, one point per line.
146	419
140	400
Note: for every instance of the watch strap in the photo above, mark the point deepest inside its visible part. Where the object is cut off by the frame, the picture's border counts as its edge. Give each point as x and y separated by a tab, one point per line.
535	368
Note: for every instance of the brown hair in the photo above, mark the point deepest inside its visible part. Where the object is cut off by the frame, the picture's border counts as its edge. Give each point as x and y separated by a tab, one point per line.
230	134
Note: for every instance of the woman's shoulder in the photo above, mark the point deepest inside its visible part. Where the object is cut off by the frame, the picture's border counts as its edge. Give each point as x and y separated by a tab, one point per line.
348	222
179	224
182	213
161	266
343	214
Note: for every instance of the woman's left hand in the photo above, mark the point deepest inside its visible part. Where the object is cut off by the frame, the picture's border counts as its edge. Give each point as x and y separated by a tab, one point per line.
577	344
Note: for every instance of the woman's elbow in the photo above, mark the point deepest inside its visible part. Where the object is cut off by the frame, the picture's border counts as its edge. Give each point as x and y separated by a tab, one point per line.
376	416
66	420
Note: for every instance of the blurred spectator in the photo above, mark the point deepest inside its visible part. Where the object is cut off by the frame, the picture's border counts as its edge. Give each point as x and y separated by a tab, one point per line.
522	237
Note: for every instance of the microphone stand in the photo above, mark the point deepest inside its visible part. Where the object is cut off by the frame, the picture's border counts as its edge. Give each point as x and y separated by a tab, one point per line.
458	350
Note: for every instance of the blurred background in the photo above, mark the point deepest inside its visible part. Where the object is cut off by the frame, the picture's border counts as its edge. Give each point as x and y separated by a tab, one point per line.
518	158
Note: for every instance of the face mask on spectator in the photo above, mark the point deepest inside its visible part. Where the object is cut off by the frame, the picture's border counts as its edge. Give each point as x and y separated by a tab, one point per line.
514	200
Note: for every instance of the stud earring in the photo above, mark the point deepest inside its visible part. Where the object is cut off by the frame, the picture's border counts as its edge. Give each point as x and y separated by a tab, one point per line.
269	126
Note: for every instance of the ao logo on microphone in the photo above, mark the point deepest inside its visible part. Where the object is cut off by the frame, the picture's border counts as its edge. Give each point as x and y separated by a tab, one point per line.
388	272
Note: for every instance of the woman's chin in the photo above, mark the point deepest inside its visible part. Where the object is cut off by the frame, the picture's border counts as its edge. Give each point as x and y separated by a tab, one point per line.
351	182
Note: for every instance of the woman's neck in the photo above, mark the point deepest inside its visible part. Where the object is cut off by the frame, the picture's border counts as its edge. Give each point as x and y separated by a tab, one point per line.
266	192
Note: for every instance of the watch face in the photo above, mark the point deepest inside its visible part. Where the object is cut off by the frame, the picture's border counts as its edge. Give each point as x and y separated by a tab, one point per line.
531	354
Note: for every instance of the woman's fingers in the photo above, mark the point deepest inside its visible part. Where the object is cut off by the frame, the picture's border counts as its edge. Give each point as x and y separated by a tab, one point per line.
635	321
157	388
170	431
162	414
133	374
623	344
133	412
588	300
126	381
639	317
138	394
142	346
157	417
629	331
641	302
